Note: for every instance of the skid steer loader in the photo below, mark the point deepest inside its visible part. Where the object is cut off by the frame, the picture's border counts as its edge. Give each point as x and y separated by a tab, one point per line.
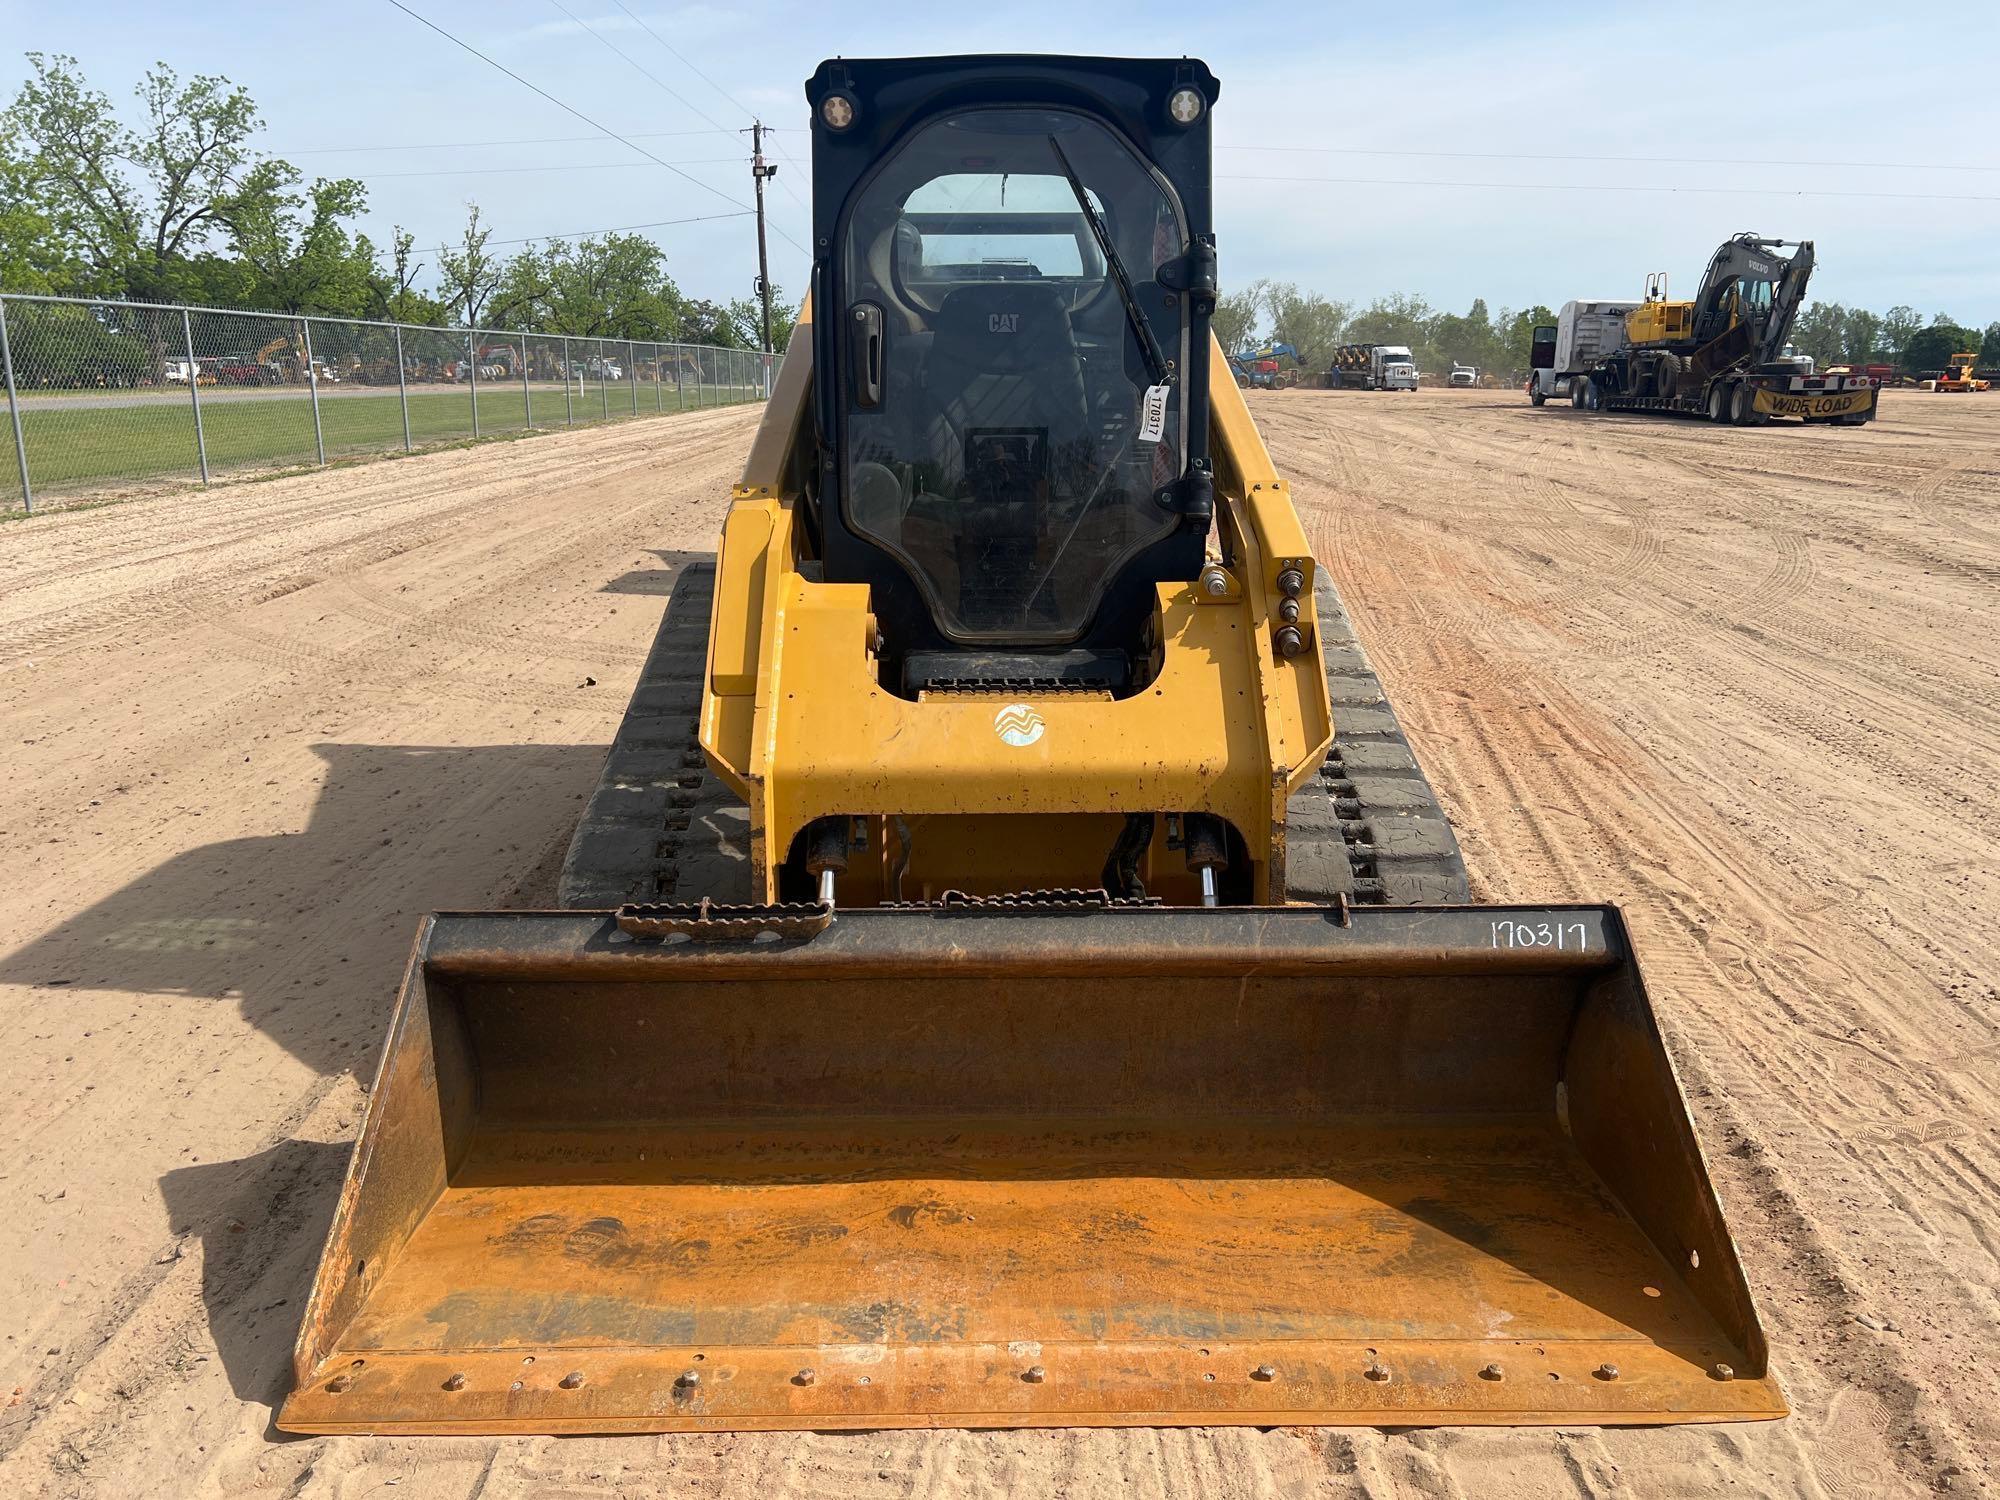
1014	972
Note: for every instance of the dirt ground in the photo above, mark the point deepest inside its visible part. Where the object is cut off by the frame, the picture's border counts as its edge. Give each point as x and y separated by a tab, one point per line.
1744	683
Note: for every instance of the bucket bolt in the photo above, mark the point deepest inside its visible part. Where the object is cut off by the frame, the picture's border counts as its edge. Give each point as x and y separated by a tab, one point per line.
1034	1374
1722	1372
1207	850
826	853
1606	1371
1377	1371
1492	1372
689	1378
1264	1372
806	1376
572	1380
455	1382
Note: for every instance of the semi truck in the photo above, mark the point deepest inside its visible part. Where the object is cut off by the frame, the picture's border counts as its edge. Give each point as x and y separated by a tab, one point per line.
1585	333
1373	367
1724	353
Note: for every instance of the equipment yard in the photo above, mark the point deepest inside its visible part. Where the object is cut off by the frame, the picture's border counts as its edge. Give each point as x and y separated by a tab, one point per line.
1745	684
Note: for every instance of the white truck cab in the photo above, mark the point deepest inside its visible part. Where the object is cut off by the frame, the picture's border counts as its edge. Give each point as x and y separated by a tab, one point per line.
1584	333
1395	368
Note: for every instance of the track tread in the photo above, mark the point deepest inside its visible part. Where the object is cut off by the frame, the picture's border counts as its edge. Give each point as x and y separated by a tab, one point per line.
661	825
1368	827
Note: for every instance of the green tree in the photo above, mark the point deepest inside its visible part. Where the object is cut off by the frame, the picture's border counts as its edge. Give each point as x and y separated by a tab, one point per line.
35	253
1929	348
304	261
467	274
138	205
1236	316
602	286
396	297
1989	347
1517	337
1861	339
1398	319
1309	322
747	314
1821	331
1899	325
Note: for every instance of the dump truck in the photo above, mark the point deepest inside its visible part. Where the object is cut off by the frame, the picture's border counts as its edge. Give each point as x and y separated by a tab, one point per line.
1722	355
1373	367
1013	970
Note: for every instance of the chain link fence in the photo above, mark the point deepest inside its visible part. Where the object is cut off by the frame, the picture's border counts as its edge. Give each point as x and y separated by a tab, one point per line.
104	398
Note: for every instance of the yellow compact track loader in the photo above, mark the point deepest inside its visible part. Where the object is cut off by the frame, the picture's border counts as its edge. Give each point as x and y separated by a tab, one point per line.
1013	971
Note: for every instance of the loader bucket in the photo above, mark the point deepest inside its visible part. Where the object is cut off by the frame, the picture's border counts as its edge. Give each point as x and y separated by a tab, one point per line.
981	1168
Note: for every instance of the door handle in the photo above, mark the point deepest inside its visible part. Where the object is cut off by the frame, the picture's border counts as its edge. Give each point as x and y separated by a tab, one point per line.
865	346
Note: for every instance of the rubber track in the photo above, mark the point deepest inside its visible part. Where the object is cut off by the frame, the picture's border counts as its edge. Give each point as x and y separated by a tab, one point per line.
661	827
1368	827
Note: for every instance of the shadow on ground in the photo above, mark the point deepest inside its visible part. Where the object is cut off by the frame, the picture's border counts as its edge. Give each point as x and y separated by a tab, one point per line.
306	933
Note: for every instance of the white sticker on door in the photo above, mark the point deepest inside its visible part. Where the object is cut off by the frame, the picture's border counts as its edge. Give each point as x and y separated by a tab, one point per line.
1153	414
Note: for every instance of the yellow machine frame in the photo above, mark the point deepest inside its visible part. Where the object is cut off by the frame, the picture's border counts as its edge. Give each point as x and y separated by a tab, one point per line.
796	720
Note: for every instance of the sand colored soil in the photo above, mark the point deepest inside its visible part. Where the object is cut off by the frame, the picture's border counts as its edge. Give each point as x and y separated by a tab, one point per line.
1745	683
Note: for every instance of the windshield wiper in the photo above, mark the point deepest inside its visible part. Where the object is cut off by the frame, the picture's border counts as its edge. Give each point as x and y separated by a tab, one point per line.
1156	362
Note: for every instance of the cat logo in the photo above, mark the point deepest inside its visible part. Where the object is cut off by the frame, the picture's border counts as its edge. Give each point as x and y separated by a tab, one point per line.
1003	322
1018	725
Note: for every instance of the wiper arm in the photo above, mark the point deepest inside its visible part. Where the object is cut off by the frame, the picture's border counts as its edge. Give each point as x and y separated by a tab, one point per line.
1156	362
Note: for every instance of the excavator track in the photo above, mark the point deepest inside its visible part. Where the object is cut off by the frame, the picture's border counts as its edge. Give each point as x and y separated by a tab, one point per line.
1368	828
662	827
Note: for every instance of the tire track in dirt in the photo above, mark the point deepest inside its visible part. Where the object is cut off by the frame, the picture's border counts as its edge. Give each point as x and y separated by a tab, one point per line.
159	562
1573	815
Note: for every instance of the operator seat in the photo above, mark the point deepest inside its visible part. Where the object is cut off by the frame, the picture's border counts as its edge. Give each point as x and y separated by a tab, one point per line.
1004	422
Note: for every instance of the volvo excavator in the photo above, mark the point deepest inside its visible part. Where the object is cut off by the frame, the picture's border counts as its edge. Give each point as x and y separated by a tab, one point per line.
1723	355
1013	971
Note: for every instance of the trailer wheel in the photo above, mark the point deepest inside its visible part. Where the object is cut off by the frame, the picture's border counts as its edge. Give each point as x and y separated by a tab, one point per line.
1718	402
1739	406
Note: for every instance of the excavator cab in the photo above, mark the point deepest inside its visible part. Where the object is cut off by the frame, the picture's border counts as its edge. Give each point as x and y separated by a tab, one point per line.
1098	1033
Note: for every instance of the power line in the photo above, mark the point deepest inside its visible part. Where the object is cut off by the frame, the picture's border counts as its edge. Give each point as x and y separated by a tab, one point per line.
568	166
1697	161
665	88
570	109
1619	187
784	186
689	65
546	140
584	234
621	52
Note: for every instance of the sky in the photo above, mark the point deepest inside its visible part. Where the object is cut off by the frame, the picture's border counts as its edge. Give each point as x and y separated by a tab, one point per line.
1520	153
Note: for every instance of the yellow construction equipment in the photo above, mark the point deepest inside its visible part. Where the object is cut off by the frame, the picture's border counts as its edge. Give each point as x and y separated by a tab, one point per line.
1958	374
1016	973
1724	355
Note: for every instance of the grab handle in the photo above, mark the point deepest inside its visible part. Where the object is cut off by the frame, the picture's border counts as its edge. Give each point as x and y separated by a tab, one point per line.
866	347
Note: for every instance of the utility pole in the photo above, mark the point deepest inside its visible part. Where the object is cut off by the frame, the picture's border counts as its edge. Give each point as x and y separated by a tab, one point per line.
759	170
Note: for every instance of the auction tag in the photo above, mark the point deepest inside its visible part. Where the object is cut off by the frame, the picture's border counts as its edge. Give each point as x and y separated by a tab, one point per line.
1153	414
